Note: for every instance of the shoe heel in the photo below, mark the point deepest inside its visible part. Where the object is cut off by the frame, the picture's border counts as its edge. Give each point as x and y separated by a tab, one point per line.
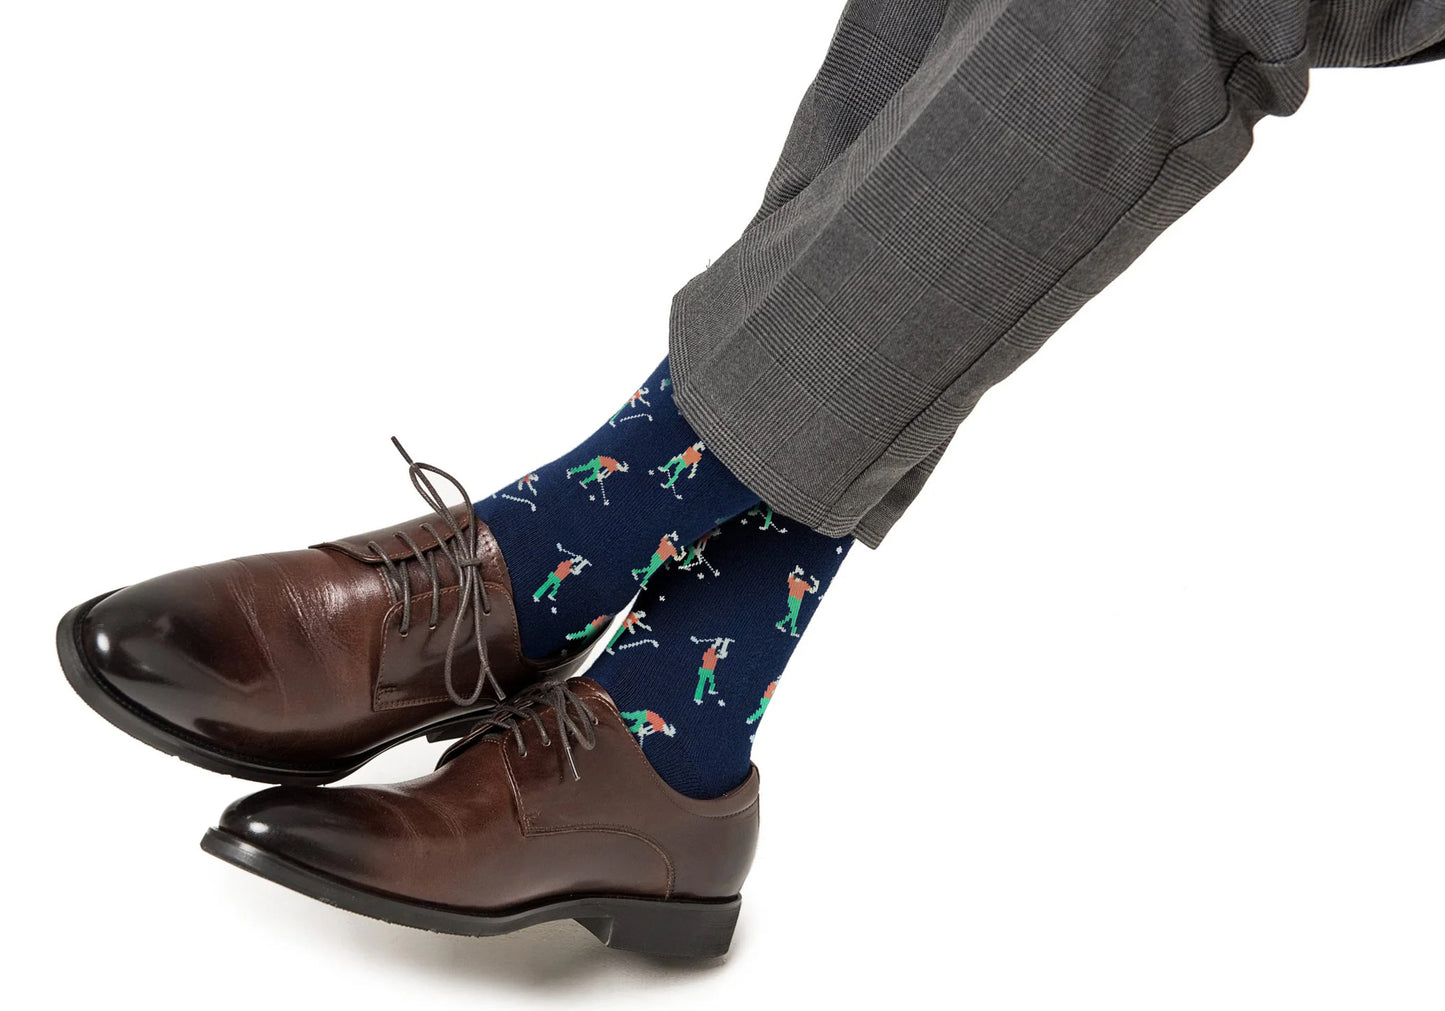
669	928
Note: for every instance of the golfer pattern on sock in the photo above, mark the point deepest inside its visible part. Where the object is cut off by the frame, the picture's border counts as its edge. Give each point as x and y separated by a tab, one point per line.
763	702
630	625
639	397
718	647
596	625
583	533
685	462
598	469
694	557
528	483
665	551
763	517
798	587
644	722
573	563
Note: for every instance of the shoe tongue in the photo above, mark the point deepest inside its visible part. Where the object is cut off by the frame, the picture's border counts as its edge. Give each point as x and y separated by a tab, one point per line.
419	530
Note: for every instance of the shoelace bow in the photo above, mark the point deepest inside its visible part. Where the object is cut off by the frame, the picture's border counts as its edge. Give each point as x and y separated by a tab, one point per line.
573	721
462	552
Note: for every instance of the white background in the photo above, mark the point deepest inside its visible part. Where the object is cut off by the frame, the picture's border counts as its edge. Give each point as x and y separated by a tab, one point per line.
1139	707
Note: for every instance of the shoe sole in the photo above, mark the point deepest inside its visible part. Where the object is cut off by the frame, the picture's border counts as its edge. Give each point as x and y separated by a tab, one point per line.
673	928
164	736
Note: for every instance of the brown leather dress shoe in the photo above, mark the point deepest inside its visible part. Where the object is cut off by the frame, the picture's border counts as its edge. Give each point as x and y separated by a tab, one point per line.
299	667
547	811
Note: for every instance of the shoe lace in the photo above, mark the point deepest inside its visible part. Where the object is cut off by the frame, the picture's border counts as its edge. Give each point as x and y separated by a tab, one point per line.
573	721
463	554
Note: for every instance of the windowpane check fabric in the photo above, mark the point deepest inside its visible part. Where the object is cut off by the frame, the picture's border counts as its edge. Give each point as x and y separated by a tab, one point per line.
962	176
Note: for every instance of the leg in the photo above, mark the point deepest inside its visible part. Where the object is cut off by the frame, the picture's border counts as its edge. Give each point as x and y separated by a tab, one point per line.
710	752
614	539
934	220
936	215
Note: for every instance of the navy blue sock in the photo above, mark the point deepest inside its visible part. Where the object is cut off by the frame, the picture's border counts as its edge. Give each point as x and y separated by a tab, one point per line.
695	663
584	532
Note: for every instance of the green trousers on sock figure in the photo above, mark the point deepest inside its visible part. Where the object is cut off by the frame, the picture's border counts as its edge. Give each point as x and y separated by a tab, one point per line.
596	625
666	550
554	579
763	703
597	468
789	623
689	457
644	721
705	679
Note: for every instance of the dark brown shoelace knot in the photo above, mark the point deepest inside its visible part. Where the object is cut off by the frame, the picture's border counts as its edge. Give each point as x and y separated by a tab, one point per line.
573	720
462	552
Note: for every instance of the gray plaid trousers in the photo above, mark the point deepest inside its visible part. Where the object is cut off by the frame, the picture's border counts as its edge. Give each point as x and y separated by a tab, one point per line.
961	177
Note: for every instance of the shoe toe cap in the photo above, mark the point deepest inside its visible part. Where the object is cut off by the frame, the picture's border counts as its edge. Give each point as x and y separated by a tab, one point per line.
360	835
323	829
169	647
